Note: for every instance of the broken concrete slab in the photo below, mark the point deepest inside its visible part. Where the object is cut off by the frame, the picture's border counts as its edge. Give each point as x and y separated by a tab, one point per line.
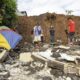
25	57
63	47
36	57
4	74
3	55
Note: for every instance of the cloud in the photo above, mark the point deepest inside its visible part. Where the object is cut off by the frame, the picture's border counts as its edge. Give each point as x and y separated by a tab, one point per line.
37	7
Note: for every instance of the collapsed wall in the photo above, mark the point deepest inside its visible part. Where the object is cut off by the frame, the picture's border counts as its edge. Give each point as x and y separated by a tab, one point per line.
59	21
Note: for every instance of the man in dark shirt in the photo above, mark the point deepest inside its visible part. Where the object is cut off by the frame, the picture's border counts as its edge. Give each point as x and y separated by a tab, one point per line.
52	31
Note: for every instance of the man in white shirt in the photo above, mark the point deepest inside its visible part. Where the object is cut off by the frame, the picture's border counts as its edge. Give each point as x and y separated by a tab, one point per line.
37	33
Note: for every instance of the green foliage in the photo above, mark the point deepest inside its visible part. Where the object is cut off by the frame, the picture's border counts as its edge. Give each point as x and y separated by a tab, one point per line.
7	10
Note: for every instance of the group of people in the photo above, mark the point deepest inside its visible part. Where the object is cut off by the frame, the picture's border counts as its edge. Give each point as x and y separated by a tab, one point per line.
38	33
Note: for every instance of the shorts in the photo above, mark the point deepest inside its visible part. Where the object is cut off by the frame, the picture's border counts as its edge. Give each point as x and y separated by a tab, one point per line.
71	35
37	38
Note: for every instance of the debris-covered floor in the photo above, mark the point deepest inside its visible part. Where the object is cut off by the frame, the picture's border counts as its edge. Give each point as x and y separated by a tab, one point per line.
14	69
21	71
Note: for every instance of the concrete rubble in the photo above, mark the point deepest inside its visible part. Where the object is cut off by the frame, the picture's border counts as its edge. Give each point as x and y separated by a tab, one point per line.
35	66
18	71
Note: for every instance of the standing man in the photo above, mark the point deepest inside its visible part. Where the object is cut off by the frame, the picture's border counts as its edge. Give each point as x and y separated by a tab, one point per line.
51	31
71	29
37	34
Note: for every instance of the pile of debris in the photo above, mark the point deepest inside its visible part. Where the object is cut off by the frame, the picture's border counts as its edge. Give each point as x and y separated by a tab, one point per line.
31	71
46	63
62	59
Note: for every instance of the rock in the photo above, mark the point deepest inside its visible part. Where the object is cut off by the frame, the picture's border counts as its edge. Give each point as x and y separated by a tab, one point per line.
3	55
4	74
64	47
68	78
25	57
45	46
46	78
15	65
60	78
64	77
2	67
15	71
7	66
56	72
75	78
56	55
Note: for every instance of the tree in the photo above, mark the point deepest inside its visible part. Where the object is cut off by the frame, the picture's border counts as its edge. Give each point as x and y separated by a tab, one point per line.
7	11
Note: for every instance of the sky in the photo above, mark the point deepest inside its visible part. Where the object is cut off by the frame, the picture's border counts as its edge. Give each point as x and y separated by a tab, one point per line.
37	7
